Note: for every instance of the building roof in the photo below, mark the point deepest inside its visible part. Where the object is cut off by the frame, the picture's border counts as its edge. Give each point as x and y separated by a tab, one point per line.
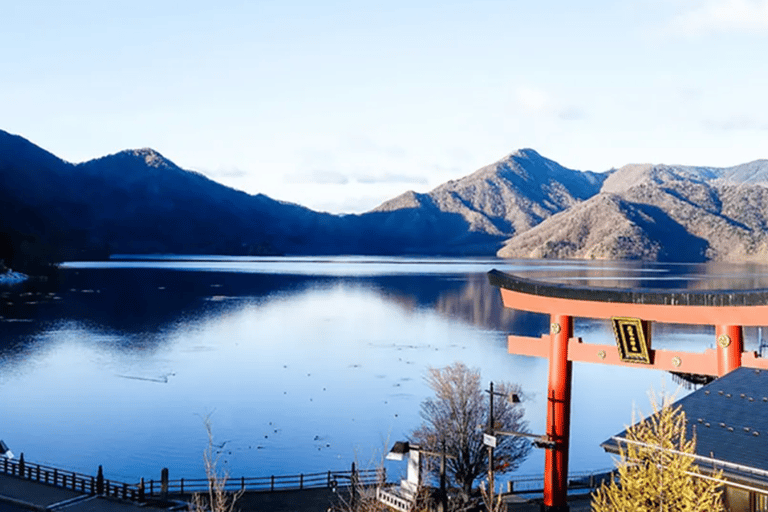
729	418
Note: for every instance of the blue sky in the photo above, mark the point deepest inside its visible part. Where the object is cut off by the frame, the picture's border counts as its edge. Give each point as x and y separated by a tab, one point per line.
340	105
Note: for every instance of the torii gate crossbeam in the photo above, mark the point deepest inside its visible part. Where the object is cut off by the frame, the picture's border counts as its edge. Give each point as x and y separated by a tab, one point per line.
728	310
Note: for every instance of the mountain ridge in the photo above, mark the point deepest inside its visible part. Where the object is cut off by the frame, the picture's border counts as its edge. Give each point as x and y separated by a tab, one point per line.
690	213
524	205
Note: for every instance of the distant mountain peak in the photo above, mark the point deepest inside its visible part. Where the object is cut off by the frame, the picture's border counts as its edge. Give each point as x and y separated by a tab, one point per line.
527	153
149	156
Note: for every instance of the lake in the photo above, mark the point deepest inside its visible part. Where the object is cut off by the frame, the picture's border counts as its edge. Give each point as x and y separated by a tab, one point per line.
302	364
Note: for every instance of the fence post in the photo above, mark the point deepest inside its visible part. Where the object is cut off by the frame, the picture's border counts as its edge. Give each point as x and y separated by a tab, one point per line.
242	483
37	470
21	465
55	476
164	483
329	479
301	481
182	486
125	490
272	483
141	489
100	481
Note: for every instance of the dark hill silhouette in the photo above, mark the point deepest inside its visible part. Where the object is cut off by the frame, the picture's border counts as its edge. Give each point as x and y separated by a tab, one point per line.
136	202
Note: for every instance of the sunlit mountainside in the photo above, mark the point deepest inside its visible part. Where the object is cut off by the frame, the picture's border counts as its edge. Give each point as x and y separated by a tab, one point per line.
661	212
525	205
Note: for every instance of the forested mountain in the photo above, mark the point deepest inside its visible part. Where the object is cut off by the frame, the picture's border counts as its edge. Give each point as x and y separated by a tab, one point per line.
525	205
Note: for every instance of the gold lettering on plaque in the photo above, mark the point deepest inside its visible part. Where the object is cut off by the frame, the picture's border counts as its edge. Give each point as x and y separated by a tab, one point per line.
632	339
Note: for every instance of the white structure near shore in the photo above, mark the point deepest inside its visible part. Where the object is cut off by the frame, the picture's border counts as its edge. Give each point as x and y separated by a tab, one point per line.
12	277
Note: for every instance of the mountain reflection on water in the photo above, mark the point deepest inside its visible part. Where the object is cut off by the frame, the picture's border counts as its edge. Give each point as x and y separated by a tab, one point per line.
303	364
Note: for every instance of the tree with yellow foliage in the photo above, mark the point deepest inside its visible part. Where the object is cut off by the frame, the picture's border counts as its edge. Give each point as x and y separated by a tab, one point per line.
657	470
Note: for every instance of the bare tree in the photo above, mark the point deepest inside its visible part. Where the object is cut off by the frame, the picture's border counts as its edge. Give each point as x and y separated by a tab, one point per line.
458	415
217	499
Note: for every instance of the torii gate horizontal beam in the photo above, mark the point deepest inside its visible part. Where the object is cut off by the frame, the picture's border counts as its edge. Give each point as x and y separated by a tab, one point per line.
695	307
705	363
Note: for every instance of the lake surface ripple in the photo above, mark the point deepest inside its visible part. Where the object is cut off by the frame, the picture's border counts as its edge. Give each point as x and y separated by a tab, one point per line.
302	364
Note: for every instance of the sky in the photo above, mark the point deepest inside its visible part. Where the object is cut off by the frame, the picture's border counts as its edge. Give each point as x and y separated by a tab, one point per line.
341	105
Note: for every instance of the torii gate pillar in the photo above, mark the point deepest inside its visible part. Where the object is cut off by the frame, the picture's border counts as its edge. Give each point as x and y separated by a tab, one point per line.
727	310
729	346
558	414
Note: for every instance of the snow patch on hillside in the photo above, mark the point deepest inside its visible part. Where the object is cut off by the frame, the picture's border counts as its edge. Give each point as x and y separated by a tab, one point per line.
12	277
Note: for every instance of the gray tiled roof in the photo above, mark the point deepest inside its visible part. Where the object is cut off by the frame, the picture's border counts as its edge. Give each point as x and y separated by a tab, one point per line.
730	419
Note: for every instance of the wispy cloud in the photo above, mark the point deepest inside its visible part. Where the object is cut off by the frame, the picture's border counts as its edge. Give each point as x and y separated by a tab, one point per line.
318	177
735	123
325	177
370	179
224	173
721	16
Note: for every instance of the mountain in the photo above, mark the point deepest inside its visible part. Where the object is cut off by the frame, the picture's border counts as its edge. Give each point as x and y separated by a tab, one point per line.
135	201
495	202
138	201
661	212
523	206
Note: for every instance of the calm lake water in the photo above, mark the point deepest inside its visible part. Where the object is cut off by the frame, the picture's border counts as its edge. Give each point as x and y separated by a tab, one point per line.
302	364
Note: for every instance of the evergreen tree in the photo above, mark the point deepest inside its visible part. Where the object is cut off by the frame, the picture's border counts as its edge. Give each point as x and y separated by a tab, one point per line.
656	470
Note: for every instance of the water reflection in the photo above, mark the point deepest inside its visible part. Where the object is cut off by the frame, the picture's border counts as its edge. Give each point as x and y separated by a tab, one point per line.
304	367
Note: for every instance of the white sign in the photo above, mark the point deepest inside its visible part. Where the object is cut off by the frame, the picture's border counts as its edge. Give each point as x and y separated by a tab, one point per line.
489	440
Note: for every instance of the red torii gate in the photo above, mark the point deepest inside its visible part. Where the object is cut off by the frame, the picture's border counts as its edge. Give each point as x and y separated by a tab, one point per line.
631	312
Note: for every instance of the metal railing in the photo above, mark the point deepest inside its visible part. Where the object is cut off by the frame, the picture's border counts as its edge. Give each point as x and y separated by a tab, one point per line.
577	480
98	485
85	484
329	479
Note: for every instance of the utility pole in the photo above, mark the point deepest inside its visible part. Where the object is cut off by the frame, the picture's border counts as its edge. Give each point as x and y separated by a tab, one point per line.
491	433
443	504
490	449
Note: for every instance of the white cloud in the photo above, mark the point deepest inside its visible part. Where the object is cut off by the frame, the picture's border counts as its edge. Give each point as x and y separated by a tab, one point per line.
722	16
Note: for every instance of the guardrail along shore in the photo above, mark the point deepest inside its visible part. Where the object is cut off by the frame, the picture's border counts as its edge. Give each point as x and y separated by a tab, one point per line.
165	487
